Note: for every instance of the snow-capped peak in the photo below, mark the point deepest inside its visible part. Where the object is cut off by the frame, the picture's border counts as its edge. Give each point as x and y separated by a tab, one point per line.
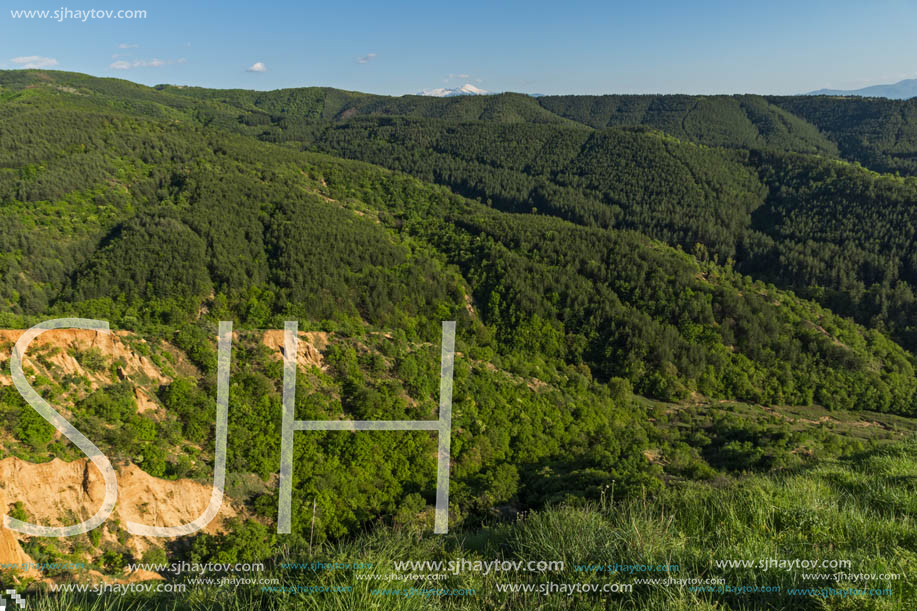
443	92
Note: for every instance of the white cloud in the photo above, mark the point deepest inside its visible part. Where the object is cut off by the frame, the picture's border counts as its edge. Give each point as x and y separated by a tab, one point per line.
140	63
460	76
257	67
34	62
181	60
125	45
366	58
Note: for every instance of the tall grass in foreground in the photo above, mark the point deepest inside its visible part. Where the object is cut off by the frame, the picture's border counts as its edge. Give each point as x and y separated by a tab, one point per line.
862	509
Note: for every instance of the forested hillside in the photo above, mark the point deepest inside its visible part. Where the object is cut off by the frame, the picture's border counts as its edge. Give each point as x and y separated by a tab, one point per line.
746	121
759	181
162	214
600	255
877	132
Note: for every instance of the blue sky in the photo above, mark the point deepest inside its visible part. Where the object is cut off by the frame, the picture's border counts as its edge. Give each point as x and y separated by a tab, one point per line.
391	47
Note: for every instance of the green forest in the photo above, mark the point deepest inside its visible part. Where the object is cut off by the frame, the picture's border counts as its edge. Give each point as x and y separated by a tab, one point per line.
658	299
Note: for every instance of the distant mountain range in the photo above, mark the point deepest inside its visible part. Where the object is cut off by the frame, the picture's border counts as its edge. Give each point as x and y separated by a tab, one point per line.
901	90
443	92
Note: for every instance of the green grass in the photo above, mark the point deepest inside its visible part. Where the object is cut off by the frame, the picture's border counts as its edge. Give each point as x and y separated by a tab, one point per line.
862	509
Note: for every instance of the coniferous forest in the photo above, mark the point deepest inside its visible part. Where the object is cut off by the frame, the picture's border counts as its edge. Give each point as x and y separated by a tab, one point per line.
675	314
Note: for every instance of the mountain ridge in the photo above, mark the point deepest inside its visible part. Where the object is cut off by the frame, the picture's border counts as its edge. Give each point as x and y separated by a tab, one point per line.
902	90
